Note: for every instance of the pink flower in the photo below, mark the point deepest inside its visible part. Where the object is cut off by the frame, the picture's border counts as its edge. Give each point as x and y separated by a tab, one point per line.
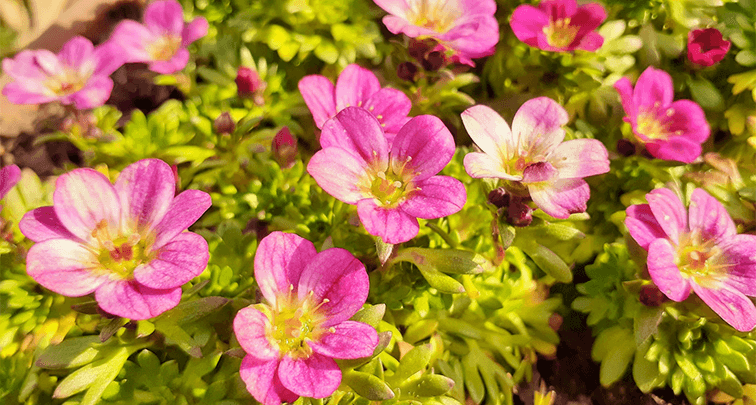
706	46
359	87
9	176
163	38
292	338
466	28
392	184
669	130
124	242
77	75
699	250
559	25
531	157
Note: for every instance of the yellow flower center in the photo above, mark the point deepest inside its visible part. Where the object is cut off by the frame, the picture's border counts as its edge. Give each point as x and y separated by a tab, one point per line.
389	187
700	260
559	33
433	15
121	255
67	83
164	48
294	324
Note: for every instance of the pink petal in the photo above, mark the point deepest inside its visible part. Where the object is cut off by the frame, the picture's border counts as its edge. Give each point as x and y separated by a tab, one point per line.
76	52
580	158
537	126
132	38
485	7
642	225
129	299
65	267
339	173
261	379
561	198
177	262
354	86
185	209
392	225
347	340
9	176
527	23
355	130
539	172
42	224
709	217
279	262
734	307
473	36
481	165
437	197
320	96
738	258
676	148
94	94
664	271
314	377
251	327
558	9
194	31
390	107
394	7
591	42
164	17
669	212
689	121
653	86
176	63
338	280
82	199
23	65
108	58
18	93
625	90
48	62
398	25
146	190
489	131
423	147
588	17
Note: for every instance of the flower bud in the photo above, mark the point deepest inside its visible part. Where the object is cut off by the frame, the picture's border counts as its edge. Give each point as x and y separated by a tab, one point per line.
419	48
519	212
407	71
284	148
249	85
651	296
706	47
499	197
625	147
434	60
224	124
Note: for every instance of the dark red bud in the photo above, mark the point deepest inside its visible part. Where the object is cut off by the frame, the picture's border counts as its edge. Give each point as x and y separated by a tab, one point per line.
284	148
249	84
625	147
499	197
224	124
519	213
434	60
651	296
407	71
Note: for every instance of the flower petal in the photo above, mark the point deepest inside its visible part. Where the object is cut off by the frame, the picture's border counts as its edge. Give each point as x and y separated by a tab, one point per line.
194	31
129	299
94	94
347	340
164	17
250	328
527	23
392	225
42	224
108	57
320	96
185	209
146	190
669	212
709	217
339	173
561	198
390	107
279	262
653	86
65	267
132	38
82	199
355	130
591	42
183	258
739	259
677	148
394	7
642	225
580	158
315	377
625	90
173	65
482	165
77	51
540	172
665	273
9	176
734	307
338	280
537	126
489	131
354	86
423	147
436	197
27	93
689	120
587	18
261	379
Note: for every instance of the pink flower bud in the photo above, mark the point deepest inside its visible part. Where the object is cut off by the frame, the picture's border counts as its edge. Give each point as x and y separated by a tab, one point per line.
284	148
707	47
249	84
224	124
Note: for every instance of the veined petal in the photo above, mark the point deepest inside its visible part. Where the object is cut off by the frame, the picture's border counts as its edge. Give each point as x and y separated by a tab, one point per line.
390	107
539	172
181	259
185	209
164	17
42	224
474	37
537	126
398	25
48	62
734	307
738	259
642	225
337	276
587	18
356	130
436	197
689	121
665	273
23	66
250	328
580	158
347	340
527	23
129	299
558	9
65	267
261	379
146	190
709	217
27	93
354	86
83	198
482	165
677	148
392	225
669	212
9	176
562	197
77	51
625	90
339	173
653	86
315	377
279	262
423	147
94	94
489	131
194	31
320	96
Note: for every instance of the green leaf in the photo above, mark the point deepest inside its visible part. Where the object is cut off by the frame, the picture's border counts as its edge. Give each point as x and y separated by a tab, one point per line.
413	362
185	153
327	52
616	361
454	261
547	260
367	385
371	315
428	385
746	57
645	373
706	94
93	377
70	353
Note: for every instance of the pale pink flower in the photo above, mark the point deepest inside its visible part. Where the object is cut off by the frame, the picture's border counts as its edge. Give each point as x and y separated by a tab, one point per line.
77	75
9	176
707	47
669	130
466	28
697	250
126	243
559	25
356	86
292	338
394	183
162	40
531	157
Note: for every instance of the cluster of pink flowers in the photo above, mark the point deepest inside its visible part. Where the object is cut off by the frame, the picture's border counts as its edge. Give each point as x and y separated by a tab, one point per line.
79	73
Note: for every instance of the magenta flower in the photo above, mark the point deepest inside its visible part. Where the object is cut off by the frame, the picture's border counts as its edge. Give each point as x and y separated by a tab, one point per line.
699	250
559	25
124	242
9	176
669	130
163	38
707	46
466	28
77	75
531	157
392	184
292	339
358	87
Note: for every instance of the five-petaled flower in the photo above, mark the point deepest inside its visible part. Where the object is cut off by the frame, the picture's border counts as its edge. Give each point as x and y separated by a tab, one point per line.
356	86
707	46
669	130
125	241
697	250
559	25
465	28
162	41
531	157
292	339
77	75
392	183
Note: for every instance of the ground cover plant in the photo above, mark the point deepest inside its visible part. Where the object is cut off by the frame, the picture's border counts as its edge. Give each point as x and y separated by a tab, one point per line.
435	202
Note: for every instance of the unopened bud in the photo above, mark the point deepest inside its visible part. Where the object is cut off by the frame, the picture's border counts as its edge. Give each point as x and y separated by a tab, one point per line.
224	124
434	60
651	296
406	71
499	197
625	147
284	148
519	212
249	84
419	48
